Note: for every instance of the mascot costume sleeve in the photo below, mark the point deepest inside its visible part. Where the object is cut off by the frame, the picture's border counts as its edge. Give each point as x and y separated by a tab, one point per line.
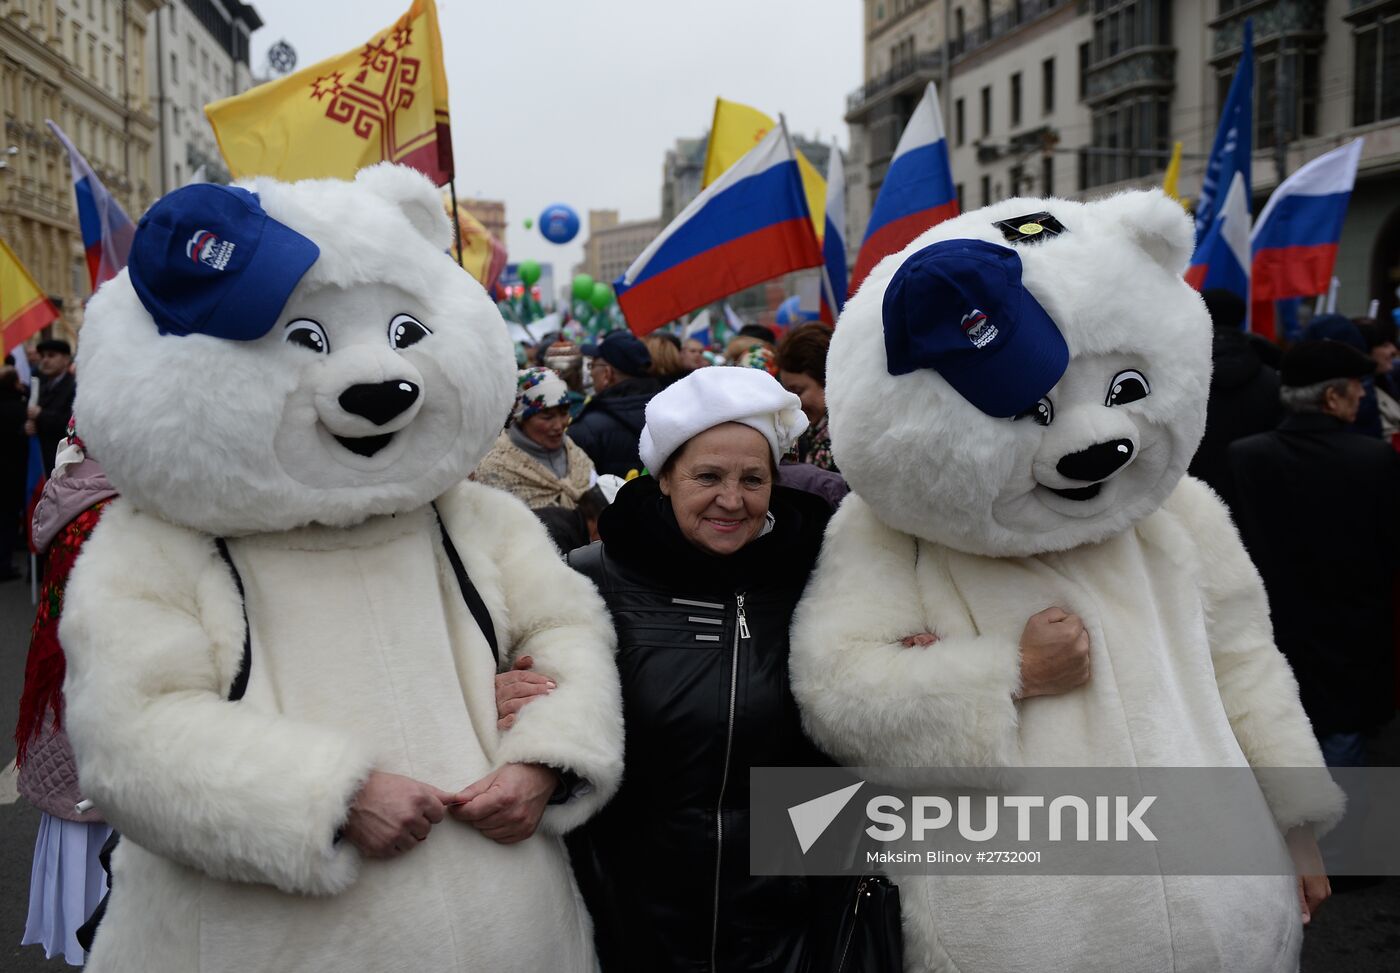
1014	399
289	384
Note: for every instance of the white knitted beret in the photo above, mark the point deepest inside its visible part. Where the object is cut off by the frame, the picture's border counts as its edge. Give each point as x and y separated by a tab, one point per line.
708	397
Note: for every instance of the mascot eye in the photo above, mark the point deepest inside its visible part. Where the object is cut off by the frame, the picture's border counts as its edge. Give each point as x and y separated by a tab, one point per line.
308	334
1127	386
406	330
1043	412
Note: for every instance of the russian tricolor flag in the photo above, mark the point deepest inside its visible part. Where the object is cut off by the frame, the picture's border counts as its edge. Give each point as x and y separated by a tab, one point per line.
834	239
749	225
917	192
107	230
1295	240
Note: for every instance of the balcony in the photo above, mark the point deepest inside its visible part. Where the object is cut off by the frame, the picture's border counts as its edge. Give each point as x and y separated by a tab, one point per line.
922	68
1142	67
928	66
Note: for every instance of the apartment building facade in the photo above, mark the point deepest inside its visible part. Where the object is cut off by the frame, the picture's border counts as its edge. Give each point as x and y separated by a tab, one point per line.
199	53
1081	98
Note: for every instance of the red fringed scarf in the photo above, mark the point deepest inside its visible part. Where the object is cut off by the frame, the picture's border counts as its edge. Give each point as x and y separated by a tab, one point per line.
45	666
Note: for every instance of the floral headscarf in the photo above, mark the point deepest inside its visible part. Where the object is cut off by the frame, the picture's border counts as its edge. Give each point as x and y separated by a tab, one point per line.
538	389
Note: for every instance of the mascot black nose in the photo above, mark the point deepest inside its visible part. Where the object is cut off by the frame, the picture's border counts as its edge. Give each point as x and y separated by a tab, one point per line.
379	402
1096	463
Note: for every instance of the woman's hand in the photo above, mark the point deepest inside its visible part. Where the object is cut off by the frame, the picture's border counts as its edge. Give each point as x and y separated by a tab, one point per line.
516	688
1054	654
1313	886
506	805
391	814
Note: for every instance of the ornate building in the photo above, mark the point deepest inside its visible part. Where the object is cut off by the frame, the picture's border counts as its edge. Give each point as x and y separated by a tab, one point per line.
1084	97
82	64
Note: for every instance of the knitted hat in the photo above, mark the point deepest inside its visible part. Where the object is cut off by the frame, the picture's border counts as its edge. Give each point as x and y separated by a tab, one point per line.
538	389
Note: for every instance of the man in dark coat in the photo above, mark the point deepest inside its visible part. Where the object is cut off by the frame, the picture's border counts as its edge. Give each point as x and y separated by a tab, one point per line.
1316	506
1243	393
57	388
610	425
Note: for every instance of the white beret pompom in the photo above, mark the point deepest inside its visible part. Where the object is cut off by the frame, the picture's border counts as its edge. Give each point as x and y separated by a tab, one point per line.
708	397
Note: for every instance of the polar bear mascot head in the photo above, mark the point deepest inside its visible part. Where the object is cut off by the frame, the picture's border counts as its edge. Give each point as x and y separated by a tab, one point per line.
1025	378
281	354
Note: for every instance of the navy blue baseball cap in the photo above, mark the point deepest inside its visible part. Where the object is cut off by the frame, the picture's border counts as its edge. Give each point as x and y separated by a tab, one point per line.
960	308
207	259
622	350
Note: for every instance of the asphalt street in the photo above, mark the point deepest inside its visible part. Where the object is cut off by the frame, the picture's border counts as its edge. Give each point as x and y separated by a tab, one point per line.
1357	931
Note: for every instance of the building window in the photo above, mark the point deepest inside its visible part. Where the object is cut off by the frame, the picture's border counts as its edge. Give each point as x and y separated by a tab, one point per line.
959	122
959	189
986	111
1047	86
1376	69
986	190
1047	175
1301	78
1083	70
959	28
1016	100
1132	136
174	68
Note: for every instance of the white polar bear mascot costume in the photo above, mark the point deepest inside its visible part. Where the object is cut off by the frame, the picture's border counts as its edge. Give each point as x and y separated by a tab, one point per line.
1015	406
300	375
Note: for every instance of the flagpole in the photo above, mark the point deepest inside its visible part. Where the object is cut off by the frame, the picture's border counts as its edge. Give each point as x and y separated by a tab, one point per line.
826	278
456	229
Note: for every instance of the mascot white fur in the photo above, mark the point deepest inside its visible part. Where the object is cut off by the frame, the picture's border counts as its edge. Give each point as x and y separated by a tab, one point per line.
1015	407
302	374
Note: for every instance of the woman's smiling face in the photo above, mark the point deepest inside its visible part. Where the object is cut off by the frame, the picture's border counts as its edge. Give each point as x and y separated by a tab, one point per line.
719	485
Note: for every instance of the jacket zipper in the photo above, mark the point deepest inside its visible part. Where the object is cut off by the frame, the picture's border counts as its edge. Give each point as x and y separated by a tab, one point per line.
741	631
860	894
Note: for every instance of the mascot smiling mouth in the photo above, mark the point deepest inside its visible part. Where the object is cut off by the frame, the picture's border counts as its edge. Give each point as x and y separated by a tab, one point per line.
1077	493
365	445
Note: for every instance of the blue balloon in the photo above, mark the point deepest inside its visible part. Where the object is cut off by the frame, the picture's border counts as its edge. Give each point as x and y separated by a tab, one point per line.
559	223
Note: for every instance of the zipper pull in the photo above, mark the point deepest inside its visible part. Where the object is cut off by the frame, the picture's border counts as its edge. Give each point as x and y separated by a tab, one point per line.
743	620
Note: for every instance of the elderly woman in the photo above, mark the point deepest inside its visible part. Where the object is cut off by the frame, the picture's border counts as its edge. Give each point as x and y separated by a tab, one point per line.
701	563
532	458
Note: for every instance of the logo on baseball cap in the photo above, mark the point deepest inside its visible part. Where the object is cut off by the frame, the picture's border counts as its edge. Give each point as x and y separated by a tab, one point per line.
207	259
960	308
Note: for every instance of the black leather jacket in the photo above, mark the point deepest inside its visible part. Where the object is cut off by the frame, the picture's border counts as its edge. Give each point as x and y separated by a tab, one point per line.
703	656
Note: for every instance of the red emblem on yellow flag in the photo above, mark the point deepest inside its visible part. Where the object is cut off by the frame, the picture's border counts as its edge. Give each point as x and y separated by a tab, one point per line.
386	101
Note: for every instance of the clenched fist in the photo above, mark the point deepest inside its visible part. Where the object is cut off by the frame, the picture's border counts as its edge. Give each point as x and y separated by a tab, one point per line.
1054	654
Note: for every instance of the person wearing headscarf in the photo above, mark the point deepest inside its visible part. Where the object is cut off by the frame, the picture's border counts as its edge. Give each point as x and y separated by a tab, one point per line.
533	459
701	563
66	881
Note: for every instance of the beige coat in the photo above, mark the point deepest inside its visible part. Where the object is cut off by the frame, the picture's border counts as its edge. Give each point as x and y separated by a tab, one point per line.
507	467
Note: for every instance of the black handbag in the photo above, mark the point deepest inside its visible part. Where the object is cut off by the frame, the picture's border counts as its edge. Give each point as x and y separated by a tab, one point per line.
864	934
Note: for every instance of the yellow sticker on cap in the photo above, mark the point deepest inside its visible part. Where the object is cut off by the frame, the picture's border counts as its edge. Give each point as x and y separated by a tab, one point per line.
1030	229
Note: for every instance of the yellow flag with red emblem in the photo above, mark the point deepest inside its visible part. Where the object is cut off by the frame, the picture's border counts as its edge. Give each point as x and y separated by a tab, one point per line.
385	101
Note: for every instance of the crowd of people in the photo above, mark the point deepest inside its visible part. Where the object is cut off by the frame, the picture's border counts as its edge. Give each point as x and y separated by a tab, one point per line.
694	497
1301	444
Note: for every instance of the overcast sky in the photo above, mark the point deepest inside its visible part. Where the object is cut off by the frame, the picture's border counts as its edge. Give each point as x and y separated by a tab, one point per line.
577	102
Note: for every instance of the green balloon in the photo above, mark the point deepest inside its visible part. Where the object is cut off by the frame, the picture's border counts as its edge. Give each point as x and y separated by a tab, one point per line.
602	295
583	287
529	222
529	272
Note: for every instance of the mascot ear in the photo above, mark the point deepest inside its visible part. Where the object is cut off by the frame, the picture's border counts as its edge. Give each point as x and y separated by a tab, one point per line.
410	191
1159	227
